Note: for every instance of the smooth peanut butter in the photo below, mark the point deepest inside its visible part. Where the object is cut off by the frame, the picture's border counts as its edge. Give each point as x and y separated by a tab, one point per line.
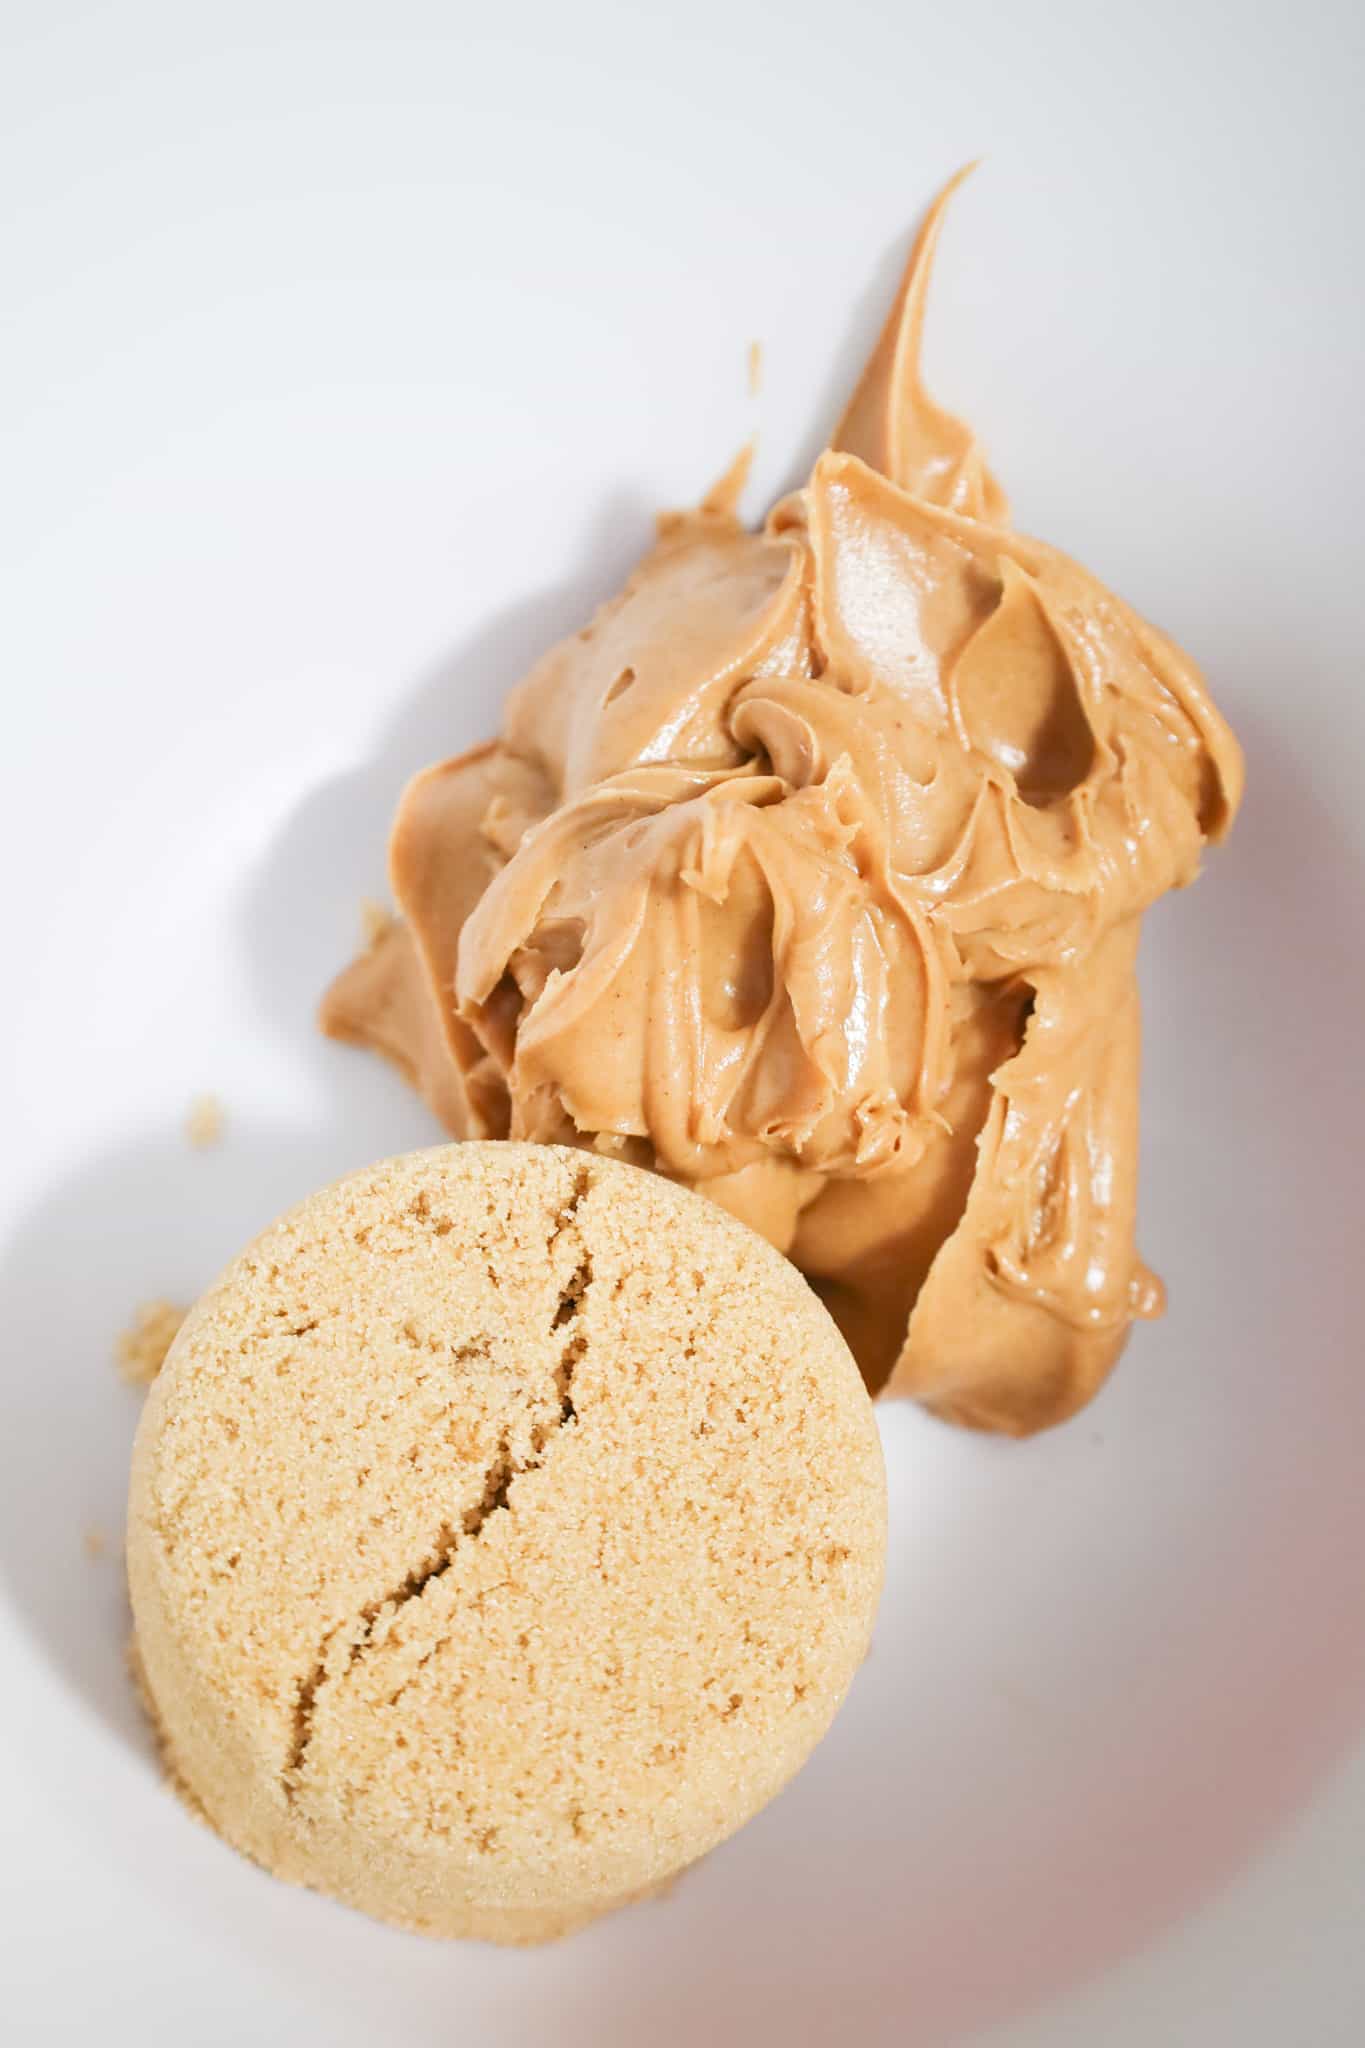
810	873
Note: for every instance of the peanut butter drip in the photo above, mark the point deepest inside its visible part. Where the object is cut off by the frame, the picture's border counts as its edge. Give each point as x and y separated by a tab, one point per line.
810	873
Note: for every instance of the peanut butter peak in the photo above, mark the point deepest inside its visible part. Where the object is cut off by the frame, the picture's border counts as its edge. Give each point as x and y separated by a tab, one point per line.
810	873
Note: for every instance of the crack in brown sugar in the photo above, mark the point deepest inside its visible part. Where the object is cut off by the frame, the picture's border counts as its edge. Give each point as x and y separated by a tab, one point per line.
307	1693
494	1498
414	1585
571	1299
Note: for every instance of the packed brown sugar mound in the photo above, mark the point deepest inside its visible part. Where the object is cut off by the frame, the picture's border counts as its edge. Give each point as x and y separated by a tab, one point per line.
506	1528
811	873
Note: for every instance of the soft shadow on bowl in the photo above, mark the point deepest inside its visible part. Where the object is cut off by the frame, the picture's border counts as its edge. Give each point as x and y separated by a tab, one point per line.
300	921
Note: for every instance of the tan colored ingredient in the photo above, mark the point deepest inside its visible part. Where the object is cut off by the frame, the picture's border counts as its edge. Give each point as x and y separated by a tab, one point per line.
169	1769
94	1542
141	1349
204	1124
375	923
755	363
505	1529
810	873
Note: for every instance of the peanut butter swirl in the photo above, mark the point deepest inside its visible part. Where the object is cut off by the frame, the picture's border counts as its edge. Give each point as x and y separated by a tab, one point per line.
810	873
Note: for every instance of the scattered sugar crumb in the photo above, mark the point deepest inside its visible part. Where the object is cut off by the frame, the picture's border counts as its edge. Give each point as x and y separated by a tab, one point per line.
94	1542
375	922
204	1123
755	368
141	1349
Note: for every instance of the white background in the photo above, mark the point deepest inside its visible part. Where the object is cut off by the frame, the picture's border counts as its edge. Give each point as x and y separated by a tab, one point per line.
346	351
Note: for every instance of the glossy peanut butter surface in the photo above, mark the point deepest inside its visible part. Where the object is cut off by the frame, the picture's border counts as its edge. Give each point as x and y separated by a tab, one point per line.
811	873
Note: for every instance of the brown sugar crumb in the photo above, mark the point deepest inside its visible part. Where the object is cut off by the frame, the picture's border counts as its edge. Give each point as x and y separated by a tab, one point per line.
755	362
141	1349
94	1542
375	923
204	1123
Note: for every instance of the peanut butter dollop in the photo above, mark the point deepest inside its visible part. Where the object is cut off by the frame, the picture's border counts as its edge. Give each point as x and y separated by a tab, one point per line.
810	873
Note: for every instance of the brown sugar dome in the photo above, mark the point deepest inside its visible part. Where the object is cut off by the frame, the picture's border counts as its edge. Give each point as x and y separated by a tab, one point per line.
506	1528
